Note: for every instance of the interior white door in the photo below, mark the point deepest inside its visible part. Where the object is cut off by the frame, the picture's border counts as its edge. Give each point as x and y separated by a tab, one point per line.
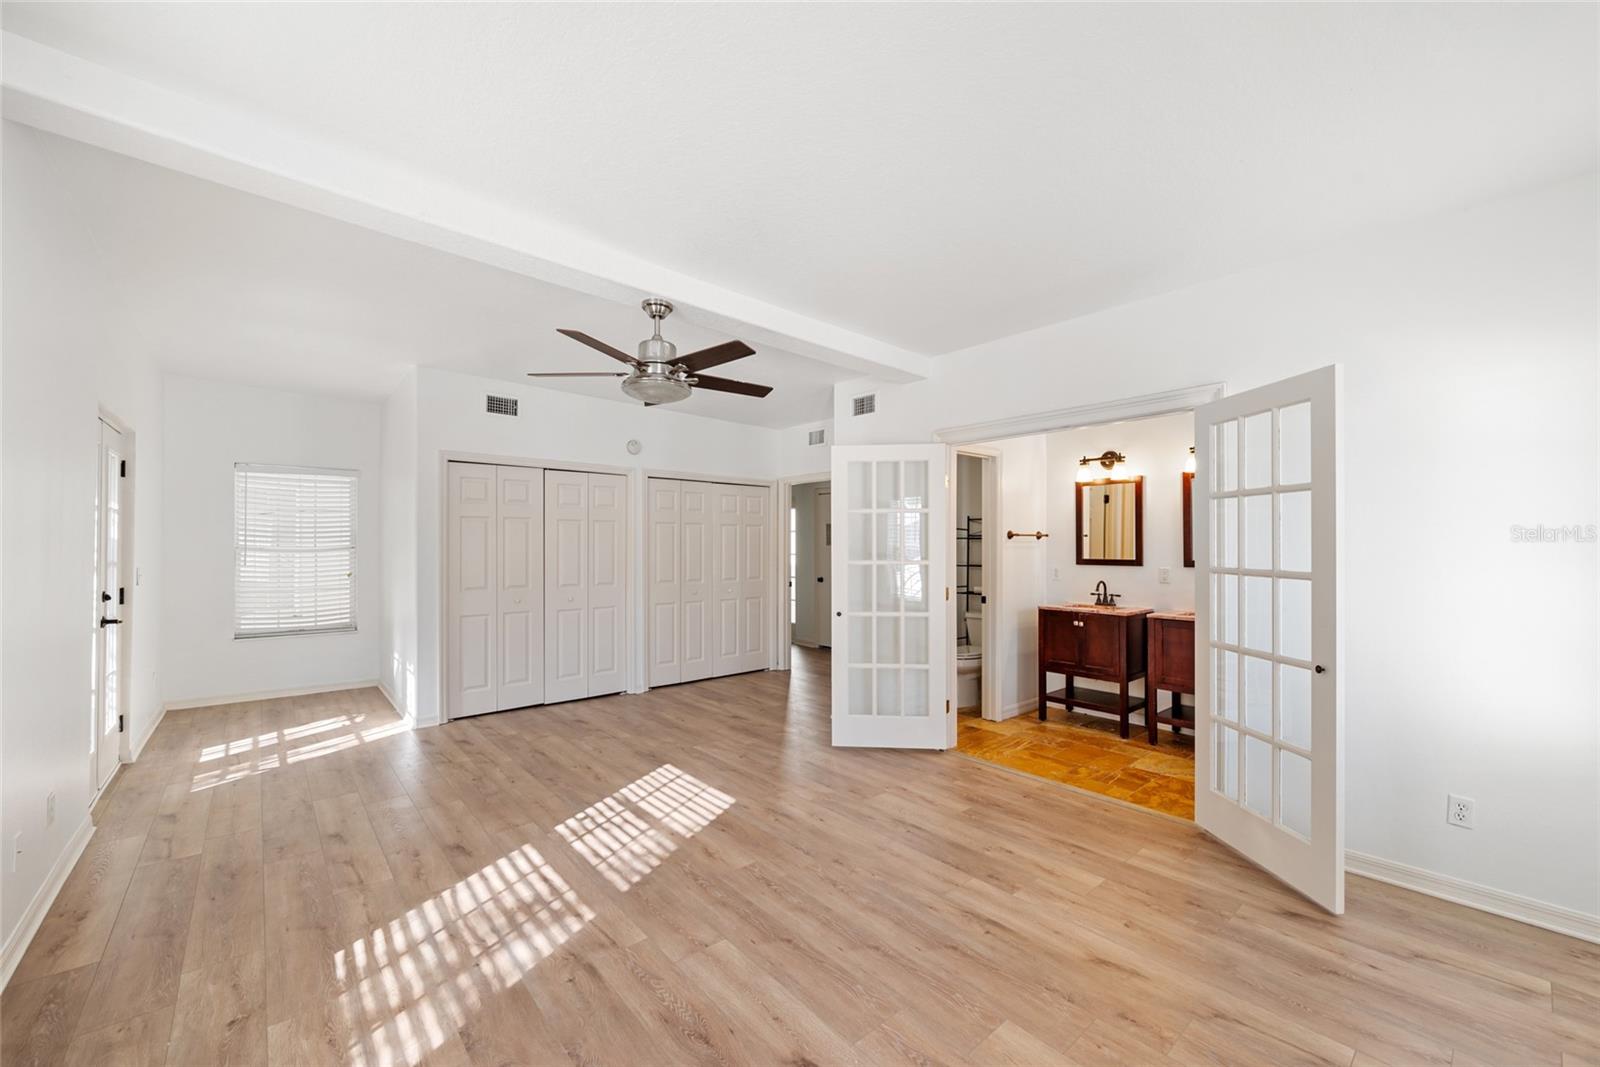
694	501
608	588
471	591
664	548
755	577
566	585
891	603
822	553
520	599
1269	647
110	596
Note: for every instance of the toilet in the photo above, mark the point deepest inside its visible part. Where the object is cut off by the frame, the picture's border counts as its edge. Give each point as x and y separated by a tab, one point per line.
969	676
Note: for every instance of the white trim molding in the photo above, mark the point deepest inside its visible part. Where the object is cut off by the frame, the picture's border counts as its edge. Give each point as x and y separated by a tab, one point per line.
28	925
271	694
136	748
1129	407
1470	894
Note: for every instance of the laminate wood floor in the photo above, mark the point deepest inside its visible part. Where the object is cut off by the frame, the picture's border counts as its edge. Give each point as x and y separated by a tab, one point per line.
694	876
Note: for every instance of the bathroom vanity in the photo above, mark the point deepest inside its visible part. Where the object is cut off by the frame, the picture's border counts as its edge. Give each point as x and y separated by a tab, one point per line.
1171	643
1104	643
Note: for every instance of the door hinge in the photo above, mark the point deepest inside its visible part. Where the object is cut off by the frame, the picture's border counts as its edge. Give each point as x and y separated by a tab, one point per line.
119	724
947	707
947	592
121	593
122	469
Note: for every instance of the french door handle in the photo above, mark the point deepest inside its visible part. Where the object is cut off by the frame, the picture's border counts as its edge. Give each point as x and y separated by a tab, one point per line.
104	622
1321	669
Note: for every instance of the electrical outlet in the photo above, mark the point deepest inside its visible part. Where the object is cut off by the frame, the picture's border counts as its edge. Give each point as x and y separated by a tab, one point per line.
50	810
1164	575
1459	812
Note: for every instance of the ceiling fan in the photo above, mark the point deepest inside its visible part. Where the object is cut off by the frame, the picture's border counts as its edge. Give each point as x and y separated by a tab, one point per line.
660	375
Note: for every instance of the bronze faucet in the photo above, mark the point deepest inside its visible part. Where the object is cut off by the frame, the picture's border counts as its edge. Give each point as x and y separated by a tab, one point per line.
1104	597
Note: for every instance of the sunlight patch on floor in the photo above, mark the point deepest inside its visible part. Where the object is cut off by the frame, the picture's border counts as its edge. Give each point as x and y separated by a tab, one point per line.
622	844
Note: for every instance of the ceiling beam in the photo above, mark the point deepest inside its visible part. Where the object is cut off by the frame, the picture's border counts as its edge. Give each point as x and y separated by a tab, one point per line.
64	94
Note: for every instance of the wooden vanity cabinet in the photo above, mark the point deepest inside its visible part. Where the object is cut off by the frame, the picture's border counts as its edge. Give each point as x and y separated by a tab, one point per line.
1171	667
1106	644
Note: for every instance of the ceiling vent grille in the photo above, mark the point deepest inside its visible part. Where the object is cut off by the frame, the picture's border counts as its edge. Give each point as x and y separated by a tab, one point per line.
502	405
817	437
864	405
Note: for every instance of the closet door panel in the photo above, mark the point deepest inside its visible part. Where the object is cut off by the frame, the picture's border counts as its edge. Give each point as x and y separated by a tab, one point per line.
726	585
471	660
695	587
521	593
566	585
608	592
755	578
664	551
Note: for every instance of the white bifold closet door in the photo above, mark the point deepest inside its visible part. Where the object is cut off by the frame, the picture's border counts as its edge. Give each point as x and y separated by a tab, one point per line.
585	584
710	580
494	604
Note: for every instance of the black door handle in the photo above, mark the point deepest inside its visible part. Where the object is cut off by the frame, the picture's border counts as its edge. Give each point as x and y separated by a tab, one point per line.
839	614
1321	669
104	597
104	622
819	577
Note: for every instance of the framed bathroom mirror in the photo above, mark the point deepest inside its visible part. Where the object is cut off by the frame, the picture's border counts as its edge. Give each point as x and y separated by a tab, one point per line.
1110	520
1188	518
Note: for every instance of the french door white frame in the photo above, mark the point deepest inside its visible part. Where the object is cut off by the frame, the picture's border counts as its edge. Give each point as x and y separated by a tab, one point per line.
777	549
633	559
781	661
129	583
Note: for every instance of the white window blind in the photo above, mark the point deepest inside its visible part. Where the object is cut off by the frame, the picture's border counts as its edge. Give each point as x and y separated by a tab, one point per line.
294	550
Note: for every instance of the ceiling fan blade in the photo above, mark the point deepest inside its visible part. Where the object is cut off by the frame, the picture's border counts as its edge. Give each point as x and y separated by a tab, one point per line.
728	385
579	374
716	355
598	346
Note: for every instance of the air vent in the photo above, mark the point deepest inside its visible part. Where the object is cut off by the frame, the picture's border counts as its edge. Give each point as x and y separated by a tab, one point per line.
864	405
502	405
817	437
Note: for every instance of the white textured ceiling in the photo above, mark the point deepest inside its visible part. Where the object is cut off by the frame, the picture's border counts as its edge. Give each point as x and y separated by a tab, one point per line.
220	283
929	175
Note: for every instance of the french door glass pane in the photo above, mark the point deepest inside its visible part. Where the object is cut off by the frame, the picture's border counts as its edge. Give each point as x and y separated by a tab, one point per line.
916	628
1225	457
1294	618
860	485
888	484
860	691
888	690
1258	776
1258	532
916	691
1228	762
1294	705
860	537
1294	531
860	639
1258	451
890	596
860	587
888	648
1294	777
1258	694
1258	614
1227	685
1226	552
1294	445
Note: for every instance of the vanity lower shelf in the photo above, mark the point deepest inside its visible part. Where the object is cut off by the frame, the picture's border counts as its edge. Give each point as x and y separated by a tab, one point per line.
1093	700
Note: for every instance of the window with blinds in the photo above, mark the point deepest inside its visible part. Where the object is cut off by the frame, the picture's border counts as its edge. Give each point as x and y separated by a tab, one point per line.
294	550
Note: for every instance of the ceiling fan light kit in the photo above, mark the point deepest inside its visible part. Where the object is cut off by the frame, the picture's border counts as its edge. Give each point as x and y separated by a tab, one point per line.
659	376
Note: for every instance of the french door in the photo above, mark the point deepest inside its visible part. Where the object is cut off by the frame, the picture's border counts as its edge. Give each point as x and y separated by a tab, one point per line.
892	616
110	596
1269	647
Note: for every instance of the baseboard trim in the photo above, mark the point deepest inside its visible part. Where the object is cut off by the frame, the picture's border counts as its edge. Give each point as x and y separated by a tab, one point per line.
28	925
273	694
137	748
1482	898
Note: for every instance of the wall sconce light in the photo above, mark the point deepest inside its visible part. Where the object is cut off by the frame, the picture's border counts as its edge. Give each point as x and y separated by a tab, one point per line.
1107	459
1188	464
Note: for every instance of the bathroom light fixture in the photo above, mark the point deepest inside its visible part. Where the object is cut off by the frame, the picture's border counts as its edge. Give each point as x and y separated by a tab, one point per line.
1107	459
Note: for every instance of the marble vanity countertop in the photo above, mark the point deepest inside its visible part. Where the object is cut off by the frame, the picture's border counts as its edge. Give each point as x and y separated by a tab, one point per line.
1173	616
1118	610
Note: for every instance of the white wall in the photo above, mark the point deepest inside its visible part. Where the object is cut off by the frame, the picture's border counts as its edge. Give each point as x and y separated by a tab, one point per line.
1469	349
552	427
63	362
210	426
798	457
1157	448
1024	472
397	638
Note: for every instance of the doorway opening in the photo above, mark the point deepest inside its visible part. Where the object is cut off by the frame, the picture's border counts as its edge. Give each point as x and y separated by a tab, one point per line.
111	611
810	507
1104	598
